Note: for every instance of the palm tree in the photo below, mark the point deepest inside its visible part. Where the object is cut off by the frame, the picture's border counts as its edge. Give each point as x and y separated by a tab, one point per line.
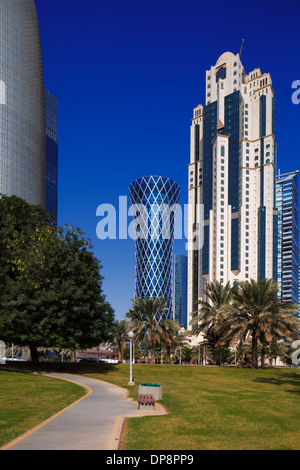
119	336
170	337
146	317
256	311
272	350
210	319
240	352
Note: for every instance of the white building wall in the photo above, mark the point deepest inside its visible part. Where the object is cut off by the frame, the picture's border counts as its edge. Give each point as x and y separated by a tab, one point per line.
251	87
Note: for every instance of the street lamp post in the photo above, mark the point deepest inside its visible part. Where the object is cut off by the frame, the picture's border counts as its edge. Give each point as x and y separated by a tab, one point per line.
130	335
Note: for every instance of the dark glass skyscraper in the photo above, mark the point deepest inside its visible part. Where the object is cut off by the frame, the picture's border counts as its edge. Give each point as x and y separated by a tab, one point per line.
51	154
22	103
155	199
180	290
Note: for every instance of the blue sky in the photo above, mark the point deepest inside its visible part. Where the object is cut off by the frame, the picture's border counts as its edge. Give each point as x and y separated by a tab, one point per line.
127	74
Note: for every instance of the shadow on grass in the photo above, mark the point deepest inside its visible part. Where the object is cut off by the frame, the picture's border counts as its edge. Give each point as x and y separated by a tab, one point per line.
61	367
292	379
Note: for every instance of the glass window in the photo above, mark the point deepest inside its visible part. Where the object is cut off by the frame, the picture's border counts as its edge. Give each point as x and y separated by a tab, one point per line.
221	73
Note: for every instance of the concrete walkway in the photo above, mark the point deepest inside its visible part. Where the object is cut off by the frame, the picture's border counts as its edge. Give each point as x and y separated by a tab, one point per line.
92	423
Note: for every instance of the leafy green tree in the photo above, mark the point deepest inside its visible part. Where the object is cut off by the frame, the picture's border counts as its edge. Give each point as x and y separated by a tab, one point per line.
256	311
51	286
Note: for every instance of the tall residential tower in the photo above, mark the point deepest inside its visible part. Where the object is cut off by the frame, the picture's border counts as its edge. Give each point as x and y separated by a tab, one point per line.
232	174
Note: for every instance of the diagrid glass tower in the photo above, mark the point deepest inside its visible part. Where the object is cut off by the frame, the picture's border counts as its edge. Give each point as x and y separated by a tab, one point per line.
22	103
154	201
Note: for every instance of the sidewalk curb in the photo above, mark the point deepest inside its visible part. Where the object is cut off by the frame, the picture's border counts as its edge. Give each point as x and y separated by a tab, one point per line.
114	437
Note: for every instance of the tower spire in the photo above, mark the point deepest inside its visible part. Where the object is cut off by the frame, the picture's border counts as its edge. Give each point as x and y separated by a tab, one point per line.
243	40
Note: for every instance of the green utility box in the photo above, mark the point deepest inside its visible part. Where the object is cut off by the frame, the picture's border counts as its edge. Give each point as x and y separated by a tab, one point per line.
151	389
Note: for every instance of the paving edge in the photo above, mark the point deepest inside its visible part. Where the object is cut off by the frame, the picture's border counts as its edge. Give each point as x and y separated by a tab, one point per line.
114	438
113	441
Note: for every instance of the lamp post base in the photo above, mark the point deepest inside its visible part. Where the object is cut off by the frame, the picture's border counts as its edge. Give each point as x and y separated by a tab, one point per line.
131	383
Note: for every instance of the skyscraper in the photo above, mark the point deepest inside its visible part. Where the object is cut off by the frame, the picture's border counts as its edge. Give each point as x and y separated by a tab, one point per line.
51	104
288	236
180	290
154	201
22	103
232	174
299	292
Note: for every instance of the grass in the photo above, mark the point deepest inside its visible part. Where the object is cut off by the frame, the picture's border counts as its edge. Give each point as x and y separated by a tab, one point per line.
26	400
217	409
209	408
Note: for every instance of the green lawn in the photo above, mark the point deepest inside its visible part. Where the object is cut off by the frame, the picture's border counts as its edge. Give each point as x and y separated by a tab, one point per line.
216	408
209	408
26	400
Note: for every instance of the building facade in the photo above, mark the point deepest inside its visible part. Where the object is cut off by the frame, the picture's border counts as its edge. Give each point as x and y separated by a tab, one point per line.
288	236
22	103
154	201
299	293
232	174
180	290
51	105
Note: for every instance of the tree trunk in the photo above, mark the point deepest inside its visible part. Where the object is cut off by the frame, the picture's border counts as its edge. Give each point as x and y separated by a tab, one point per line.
254	351
263	357
34	356
152	347
153	355
270	361
120	346
168	350
73	355
218	355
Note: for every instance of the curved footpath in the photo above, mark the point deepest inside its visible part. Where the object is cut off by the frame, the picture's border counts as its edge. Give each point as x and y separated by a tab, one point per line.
93	422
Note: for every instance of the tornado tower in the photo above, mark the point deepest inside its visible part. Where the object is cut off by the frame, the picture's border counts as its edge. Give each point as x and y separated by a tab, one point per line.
155	199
